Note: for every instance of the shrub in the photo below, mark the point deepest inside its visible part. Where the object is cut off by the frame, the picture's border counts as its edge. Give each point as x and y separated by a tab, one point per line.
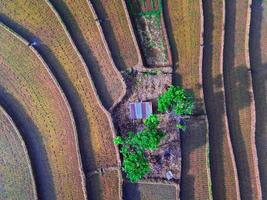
176	99
135	163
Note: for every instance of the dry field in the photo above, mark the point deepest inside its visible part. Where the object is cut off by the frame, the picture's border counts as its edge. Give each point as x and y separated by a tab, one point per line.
150	191
80	20
16	173
183	23
258	60
223	167
36	20
40	110
195	183
184	27
239	97
118	31
107	182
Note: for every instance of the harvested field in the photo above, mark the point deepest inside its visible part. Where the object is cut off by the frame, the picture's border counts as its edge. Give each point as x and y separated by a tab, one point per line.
239	97
258	59
35	20
184	27
80	20
195	179
183	20
150	191
223	167
32	97
118	31
15	168
105	186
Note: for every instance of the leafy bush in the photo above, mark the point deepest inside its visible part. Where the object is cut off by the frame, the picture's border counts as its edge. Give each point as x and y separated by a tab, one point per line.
152	121
133	147
178	100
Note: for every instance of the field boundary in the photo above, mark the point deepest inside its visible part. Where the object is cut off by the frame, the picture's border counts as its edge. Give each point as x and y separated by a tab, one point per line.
140	59
64	100
100	31
109	56
228	137
34	188
89	78
202	96
253	107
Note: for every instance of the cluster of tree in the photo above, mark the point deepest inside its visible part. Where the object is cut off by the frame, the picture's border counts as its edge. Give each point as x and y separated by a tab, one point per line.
132	147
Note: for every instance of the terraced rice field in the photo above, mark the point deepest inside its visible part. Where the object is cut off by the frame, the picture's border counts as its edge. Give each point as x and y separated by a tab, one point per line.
150	191
30	93
184	27
108	182
14	161
225	183
195	180
119	33
258	60
80	20
239	97
35	20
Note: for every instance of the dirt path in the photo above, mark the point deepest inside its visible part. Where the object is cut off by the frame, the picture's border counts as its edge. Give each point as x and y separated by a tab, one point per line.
239	97
223	167
258	59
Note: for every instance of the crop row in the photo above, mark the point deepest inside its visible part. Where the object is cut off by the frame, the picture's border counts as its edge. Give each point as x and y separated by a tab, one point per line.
184	27
119	33
16	173
258	60
225	183
31	94
38	22
84	28
239	97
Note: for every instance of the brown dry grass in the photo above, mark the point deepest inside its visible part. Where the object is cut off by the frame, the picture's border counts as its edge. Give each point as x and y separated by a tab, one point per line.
118	31
150	191
223	167
105	186
79	18
16	173
36	19
258	59
239	97
29	91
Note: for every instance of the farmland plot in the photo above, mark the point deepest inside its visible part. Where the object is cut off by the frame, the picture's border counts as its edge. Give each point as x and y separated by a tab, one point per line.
107	181
258	58
30	93
149	24
239	97
118	31
150	191
35	20
80	20
184	27
15	168
223	167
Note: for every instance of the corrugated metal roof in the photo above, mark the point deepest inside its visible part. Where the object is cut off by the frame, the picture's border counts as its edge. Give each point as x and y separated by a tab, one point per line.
140	110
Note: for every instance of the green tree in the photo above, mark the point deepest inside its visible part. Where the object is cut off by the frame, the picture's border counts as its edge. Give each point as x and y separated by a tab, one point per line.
178	100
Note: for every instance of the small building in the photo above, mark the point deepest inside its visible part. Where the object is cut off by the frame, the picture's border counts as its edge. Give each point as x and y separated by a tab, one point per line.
140	110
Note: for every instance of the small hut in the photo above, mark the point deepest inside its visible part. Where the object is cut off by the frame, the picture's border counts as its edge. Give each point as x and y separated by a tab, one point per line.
140	110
